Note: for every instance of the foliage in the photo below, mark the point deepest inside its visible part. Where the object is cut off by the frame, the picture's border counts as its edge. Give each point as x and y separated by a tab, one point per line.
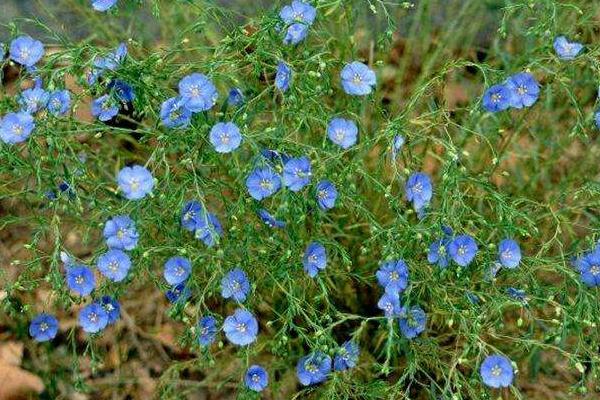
529	174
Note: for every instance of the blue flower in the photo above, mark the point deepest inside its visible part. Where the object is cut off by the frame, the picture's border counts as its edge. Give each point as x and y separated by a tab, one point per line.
262	183
296	173
114	58
93	318
135	182
16	127
313	368
173	114
59	102
235	285
342	132
412	322
472	297
509	253
103	5
597	119
50	195
120	233
105	108
208	229
177	270
110	63
26	50
270	220
94	74
326	195
283	76
497	98
198	92
298	16
588	266
524	90
274	156
492	271
315	259
463	250
80	279
566	50
517	294
346	357
121	90
496	371
419	190
393	276
112	308
43	327
66	259
33	100
298	11
207	330
191	213
358	79
397	146
241	328
235	97
178	293
389	303
256	378
225	137
114	265
205	225
295	33
447	230
64	187
438	252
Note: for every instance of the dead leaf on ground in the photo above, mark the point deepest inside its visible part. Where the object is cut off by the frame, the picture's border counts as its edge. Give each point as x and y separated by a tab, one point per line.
16	383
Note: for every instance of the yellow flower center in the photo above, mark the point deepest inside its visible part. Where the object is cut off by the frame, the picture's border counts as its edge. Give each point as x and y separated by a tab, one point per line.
17	129
135	184
310	367
195	90
496	371
265	184
113	266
